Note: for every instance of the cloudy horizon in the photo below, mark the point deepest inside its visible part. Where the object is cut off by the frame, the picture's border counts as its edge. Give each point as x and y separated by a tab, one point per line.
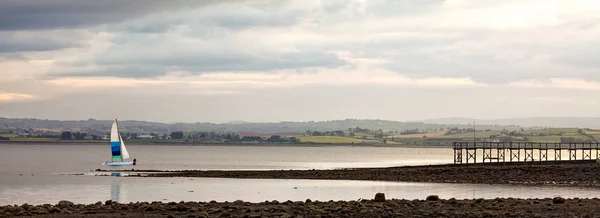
292	60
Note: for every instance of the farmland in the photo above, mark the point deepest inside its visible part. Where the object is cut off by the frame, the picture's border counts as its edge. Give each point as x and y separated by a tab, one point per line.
348	136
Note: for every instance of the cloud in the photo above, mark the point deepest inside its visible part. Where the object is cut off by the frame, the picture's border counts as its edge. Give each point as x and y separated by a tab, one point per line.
38	41
248	81
501	51
7	96
50	14
423	40
563	83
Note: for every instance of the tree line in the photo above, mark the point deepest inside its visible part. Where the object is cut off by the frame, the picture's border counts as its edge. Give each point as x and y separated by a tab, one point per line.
198	137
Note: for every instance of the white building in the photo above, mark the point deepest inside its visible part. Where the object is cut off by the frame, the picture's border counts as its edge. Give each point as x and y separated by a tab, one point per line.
145	137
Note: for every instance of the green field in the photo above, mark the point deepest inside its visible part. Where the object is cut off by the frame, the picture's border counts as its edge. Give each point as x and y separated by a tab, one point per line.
554	138
552	130
470	135
431	138
50	140
150	141
410	140
329	139
23	139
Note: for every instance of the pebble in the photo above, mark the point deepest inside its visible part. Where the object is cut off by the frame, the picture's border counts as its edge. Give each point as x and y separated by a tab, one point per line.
433	207
558	200
433	198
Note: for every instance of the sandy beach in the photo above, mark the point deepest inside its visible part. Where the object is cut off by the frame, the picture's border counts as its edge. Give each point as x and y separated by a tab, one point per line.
559	173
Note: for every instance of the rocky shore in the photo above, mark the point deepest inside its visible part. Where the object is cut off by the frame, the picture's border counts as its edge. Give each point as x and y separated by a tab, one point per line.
566	173
377	207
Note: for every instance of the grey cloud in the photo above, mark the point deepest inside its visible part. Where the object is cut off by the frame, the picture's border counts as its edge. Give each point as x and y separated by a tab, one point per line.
49	14
150	27
12	56
129	71
585	55
400	7
224	15
239	16
6	46
212	39
200	63
484	59
480	68
16	43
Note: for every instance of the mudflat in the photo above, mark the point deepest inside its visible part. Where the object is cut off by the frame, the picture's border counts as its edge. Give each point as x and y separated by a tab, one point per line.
432	207
559	173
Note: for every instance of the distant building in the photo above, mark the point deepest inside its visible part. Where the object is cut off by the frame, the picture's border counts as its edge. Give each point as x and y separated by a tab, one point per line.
145	137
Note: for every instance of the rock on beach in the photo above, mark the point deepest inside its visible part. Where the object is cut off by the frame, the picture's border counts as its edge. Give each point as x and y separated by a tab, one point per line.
499	207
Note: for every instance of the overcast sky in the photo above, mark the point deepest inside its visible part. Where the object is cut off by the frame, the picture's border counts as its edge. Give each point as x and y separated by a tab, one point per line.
298	60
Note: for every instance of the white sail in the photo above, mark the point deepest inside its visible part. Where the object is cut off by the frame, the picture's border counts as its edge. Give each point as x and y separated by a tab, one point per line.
124	152
114	132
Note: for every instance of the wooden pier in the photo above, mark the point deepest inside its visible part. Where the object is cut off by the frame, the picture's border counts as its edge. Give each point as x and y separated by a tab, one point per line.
488	152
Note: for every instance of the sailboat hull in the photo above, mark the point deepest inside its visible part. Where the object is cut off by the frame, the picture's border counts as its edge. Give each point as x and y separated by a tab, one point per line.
118	163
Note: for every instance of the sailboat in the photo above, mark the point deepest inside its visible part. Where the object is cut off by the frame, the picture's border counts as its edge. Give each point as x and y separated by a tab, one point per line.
117	146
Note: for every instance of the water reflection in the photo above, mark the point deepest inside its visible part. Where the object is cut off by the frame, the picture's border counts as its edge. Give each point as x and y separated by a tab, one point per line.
49	189
115	188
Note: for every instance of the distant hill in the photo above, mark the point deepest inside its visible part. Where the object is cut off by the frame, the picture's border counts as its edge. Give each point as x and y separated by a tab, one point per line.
558	122
431	125
237	122
92	125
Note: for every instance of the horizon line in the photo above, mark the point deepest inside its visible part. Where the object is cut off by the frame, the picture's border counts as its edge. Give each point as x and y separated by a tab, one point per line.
235	122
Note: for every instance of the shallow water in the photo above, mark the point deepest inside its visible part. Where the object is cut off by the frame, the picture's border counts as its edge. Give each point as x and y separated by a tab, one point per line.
32	174
52	158
90	189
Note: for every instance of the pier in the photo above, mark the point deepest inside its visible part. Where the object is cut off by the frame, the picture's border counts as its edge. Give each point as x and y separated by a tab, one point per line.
489	152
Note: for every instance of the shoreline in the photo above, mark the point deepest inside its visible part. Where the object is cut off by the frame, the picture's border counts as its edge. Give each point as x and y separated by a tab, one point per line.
66	142
377	207
583	173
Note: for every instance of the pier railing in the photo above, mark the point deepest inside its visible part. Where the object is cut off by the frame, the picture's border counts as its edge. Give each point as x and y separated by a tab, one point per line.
488	152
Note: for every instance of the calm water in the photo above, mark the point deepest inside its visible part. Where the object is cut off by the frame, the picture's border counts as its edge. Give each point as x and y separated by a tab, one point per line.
32	174
52	158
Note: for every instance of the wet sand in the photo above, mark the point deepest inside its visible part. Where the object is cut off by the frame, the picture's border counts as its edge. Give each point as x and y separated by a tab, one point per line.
432	207
557	173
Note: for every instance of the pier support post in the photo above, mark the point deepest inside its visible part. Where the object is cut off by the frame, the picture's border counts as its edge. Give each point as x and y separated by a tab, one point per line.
543	152
572	152
471	153
587	151
487	152
597	153
528	152
458	150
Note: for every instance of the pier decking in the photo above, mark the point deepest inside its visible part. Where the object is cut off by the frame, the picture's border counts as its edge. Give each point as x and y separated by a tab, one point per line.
488	152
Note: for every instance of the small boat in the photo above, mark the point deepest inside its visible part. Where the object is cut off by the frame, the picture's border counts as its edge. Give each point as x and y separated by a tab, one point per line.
118	150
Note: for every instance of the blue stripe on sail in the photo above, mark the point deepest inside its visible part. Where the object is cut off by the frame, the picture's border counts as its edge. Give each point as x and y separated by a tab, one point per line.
115	147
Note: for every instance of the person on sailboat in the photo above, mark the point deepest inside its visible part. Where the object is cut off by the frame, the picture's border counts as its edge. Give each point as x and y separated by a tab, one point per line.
134	161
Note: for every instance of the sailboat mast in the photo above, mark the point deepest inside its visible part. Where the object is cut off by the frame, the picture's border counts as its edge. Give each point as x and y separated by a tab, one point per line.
120	142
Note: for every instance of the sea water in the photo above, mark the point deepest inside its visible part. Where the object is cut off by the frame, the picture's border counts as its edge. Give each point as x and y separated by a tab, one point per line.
48	173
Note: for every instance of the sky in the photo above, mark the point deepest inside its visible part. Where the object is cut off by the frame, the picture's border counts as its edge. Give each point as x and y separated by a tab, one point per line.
298	60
